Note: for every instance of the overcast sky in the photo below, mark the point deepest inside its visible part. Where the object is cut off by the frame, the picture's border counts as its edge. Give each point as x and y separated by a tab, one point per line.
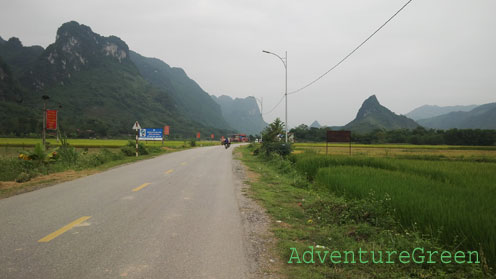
440	52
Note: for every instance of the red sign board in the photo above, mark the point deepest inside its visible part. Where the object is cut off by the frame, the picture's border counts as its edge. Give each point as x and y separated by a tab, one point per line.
166	130
338	136
212	136
51	119
198	135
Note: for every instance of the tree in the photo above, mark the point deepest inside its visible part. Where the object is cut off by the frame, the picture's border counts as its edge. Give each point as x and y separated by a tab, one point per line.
271	133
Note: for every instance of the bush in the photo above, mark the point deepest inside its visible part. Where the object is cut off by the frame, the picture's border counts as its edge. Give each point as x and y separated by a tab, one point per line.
280	148
192	143
130	149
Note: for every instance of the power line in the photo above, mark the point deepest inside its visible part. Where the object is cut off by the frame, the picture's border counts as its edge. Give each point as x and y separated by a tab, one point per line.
278	103
353	51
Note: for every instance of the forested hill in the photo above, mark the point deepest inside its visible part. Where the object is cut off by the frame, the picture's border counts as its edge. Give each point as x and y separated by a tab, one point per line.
97	88
372	116
242	114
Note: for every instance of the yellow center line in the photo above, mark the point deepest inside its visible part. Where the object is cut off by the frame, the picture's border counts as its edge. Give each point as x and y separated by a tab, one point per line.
169	171
141	187
64	229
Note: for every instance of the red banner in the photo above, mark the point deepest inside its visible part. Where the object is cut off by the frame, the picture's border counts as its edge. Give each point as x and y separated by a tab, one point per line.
198	135
212	136
51	119
166	130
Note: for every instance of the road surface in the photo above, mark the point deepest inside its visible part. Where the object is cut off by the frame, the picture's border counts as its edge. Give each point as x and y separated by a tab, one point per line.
174	216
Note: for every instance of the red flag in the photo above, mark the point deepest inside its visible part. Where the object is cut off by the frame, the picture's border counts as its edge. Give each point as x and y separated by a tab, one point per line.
198	135
166	130
212	136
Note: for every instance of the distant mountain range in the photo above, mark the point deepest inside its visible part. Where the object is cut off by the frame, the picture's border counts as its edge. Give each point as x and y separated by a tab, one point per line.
101	86
372	115
428	111
241	114
481	117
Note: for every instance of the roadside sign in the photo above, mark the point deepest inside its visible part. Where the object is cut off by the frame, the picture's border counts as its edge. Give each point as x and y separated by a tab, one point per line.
151	134
51	119
166	130
338	136
198	135
136	126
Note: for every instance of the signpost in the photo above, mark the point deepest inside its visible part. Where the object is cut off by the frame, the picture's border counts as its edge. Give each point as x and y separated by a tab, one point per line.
51	119
151	134
136	127
338	136
166	130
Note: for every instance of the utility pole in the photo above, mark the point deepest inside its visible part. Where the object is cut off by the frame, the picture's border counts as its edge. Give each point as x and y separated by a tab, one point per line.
285	63
45	98
261	112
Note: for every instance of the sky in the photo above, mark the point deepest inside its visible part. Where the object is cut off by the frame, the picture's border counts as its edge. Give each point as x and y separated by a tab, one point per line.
437	52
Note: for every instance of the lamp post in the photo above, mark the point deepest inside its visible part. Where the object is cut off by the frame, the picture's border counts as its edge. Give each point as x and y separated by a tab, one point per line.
285	63
45	98
261	112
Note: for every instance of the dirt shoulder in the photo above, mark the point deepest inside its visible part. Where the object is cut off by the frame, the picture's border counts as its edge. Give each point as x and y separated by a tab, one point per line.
256	223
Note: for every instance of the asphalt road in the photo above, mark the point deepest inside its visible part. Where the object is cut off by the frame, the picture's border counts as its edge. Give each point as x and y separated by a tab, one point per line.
184	224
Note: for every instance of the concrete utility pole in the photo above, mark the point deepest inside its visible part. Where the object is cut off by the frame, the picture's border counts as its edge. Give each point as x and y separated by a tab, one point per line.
285	63
261	112
45	98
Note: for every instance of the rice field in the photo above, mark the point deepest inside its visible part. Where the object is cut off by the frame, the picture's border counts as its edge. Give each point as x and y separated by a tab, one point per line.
451	200
401	150
10	147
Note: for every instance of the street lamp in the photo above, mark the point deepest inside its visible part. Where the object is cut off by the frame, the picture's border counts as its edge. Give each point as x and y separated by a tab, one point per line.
285	63
261	113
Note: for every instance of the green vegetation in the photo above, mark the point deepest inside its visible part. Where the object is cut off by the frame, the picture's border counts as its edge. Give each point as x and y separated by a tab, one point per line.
350	202
99	92
418	136
372	116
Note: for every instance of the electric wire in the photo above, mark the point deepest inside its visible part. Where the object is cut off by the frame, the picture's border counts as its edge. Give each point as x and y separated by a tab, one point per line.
353	51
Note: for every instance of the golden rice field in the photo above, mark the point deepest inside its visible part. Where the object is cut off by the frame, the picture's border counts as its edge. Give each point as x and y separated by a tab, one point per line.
400	150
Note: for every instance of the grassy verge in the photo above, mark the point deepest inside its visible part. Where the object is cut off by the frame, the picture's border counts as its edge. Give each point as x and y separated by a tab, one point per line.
19	176
308	216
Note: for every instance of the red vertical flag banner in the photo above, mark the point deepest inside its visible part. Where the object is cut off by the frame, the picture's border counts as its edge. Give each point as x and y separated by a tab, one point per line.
212	136
166	130
198	135
51	119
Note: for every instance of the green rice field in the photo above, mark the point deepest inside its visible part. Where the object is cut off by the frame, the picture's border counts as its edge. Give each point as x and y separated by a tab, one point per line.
453	201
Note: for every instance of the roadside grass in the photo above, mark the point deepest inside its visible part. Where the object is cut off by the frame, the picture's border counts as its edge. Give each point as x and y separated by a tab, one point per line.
306	214
99	143
20	175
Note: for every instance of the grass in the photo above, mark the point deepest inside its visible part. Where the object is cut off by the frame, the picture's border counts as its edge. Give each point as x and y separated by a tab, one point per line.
448	152
70	159
97	143
339	209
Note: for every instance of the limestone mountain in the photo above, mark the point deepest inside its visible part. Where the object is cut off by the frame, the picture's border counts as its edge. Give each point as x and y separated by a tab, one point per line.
190	99
481	117
242	114
99	88
315	124
428	111
372	115
20	58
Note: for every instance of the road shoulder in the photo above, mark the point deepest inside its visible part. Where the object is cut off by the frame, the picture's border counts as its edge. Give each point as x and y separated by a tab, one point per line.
261	243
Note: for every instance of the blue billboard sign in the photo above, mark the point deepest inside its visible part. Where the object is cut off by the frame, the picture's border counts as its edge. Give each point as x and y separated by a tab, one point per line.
151	134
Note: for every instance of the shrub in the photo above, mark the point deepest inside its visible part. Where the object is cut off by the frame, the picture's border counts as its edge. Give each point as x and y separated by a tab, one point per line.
130	149
280	148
